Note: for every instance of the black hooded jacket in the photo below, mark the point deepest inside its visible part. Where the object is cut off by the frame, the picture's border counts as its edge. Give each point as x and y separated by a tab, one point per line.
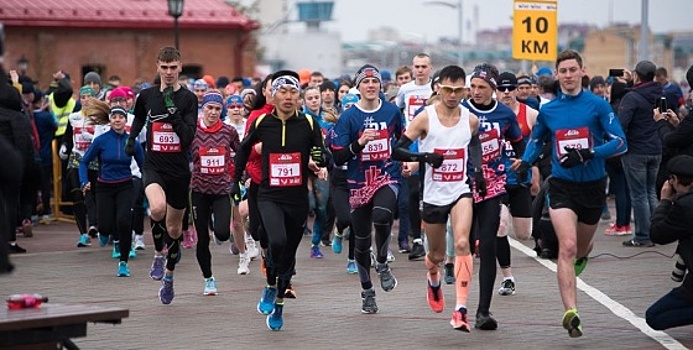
635	114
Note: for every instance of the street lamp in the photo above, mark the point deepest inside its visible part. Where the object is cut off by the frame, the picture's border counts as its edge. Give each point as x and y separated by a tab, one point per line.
460	21
175	10
23	64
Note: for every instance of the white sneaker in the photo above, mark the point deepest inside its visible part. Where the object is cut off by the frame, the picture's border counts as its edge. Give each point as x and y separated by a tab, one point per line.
390	256
243	262
251	247
139	242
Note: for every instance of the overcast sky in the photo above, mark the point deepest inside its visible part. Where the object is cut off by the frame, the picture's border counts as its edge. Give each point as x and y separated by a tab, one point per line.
417	20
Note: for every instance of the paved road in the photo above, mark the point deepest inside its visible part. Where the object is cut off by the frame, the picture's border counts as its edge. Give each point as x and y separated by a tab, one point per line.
613	298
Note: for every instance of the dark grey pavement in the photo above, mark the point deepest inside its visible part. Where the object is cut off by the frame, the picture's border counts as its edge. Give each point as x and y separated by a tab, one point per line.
327	314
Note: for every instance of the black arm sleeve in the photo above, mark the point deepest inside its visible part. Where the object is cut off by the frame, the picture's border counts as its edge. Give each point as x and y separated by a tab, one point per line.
402	152
475	151
342	156
519	147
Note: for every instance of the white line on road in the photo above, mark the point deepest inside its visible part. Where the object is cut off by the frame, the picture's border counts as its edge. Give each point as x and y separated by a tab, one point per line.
615	307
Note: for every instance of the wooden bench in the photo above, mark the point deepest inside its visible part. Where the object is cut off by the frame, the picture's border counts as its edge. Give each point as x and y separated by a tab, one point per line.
52	325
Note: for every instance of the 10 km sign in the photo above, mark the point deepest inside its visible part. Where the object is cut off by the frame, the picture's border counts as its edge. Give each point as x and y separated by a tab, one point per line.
535	30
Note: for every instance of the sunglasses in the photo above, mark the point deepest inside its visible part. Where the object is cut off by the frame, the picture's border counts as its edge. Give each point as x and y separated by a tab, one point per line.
449	89
507	88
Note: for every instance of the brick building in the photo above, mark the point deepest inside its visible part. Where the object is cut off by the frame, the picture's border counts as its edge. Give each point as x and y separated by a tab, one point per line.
122	38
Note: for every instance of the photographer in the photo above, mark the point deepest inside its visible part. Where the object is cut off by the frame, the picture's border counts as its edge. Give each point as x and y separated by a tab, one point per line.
671	221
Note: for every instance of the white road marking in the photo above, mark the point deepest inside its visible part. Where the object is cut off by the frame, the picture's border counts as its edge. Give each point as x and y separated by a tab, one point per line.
616	308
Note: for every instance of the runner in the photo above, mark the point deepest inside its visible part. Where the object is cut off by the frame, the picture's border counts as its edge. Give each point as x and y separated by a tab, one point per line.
446	191
577	186
290	140
114	192
363	138
212	151
170	113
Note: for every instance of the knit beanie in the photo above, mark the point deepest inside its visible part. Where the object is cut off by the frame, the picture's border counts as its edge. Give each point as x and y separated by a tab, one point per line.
92	77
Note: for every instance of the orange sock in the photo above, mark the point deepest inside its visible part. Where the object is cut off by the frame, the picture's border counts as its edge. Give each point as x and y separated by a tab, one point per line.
433	275
464	265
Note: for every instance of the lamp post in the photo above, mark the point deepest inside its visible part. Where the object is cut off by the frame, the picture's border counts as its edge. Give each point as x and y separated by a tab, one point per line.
460	22
175	10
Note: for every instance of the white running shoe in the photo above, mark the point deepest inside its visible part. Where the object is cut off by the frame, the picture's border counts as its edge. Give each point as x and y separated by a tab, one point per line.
251	247
390	256
139	242
243	262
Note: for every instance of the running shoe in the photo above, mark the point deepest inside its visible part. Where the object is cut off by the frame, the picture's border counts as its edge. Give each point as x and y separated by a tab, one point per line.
116	251
325	243
417	250
103	239
435	298
351	267
580	264
315	252
233	248
634	243
156	272
449	273
27	226
388	281
404	246
217	240
139	242
123	270
368	305
459	320
337	243
84	241
572	323
390	256
132	254
166	292
93	232
266	304
485	322
615	230
290	292
275	320
251	247
243	262
210	286
15	248
507	287
187	239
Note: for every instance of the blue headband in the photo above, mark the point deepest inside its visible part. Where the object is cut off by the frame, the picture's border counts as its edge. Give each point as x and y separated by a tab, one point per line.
213	96
234	100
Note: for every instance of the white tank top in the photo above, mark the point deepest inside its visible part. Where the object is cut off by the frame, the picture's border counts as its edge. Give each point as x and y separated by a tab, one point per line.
446	184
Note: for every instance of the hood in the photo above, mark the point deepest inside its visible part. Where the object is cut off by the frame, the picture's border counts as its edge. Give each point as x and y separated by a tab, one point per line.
63	93
650	91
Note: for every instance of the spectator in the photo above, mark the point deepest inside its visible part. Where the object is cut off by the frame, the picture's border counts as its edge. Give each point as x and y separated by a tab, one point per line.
641	162
671	91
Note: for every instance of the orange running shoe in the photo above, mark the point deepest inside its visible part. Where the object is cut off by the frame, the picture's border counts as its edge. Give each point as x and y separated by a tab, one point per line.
459	320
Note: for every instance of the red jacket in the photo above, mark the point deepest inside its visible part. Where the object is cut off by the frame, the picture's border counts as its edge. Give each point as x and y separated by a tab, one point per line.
254	166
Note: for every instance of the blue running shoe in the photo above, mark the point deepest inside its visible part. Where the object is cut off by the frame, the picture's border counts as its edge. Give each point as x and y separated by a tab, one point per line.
84	241
351	267
103	240
116	250
156	272
133	253
266	304
210	286
166	293
275	320
337	243
315	252
123	270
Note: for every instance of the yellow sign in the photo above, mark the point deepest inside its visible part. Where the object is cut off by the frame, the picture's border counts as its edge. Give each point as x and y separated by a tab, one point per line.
535	30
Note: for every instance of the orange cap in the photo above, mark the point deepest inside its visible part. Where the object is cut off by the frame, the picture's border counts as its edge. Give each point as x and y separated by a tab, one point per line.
304	76
210	81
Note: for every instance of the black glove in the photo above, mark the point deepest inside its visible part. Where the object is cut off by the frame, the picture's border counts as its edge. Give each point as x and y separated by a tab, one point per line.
316	154
575	157
236	192
435	160
480	183
130	147
521	171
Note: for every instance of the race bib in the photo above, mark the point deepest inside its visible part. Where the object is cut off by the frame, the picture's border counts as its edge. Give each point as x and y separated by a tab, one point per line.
285	169
164	138
414	103
377	149
490	145
453	167
82	138
212	160
578	138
